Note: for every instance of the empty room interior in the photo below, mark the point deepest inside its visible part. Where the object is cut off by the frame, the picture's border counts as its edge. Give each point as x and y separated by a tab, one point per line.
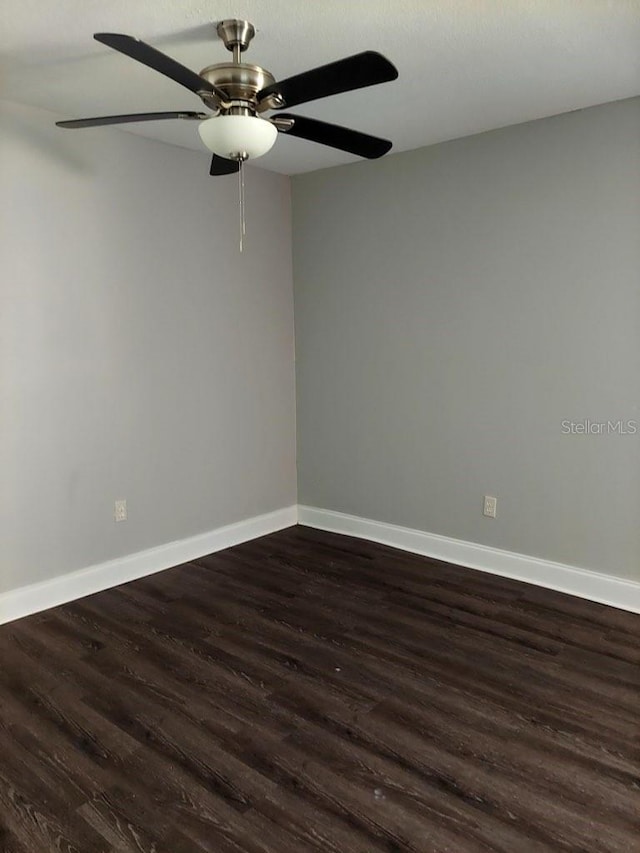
320	458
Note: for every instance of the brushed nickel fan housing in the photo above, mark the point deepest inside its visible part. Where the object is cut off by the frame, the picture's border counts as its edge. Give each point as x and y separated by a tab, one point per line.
238	81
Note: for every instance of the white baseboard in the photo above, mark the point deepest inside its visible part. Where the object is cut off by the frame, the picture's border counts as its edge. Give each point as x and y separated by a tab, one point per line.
605	589
41	596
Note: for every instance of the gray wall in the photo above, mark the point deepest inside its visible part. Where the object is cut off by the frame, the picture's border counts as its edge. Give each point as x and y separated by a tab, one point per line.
141	356
453	306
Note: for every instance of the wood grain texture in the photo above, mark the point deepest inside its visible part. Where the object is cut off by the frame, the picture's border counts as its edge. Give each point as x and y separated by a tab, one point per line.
311	692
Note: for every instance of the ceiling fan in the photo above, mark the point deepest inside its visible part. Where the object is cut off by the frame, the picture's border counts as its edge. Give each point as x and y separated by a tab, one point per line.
239	95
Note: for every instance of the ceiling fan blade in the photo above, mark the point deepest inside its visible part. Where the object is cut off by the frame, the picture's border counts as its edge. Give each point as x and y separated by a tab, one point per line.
222	166
345	75
153	58
335	136
102	120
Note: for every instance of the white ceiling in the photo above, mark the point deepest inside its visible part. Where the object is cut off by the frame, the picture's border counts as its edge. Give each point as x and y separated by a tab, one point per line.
465	65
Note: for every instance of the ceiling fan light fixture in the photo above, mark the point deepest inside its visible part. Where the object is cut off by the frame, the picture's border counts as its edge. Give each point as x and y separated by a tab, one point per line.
238	137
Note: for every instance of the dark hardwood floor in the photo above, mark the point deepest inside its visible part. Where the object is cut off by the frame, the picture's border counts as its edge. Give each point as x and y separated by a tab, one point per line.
312	692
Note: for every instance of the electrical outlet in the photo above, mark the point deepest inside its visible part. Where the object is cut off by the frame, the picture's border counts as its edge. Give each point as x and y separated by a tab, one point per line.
490	506
120	511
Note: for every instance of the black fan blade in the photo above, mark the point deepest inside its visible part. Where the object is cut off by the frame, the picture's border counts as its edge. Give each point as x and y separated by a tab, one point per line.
354	72
337	137
101	120
222	166
153	58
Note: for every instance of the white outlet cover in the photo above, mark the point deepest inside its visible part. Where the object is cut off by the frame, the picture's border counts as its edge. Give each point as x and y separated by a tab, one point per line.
120	510
490	506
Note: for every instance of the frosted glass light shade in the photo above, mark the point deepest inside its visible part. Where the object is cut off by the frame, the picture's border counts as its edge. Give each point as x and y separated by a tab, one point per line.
233	136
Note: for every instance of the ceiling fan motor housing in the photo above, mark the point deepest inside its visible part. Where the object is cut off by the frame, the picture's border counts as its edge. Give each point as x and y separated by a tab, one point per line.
239	82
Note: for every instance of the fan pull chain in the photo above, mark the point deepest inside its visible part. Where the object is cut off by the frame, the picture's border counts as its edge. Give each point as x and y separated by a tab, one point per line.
241	201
